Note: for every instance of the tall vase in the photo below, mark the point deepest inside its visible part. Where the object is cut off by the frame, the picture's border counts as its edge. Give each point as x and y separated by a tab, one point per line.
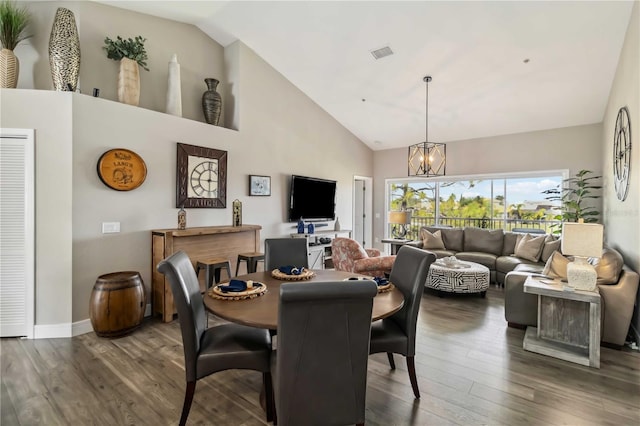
9	69
129	82
64	51
174	92
211	102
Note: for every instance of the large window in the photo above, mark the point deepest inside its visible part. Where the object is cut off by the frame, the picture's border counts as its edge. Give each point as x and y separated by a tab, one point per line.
506	202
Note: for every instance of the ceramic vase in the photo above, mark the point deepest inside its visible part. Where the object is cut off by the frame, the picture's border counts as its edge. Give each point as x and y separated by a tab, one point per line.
174	92
336	226
64	51
211	102
129	82
9	69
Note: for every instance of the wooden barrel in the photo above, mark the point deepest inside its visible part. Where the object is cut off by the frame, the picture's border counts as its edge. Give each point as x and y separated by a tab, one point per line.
117	303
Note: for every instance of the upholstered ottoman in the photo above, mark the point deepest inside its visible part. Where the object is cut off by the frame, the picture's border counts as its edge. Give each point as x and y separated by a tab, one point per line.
464	277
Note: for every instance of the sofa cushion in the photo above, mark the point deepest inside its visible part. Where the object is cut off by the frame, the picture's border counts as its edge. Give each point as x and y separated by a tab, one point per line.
440	253
608	267
550	245
483	240
556	266
486	259
530	247
452	237
506	264
431	240
509	243
531	268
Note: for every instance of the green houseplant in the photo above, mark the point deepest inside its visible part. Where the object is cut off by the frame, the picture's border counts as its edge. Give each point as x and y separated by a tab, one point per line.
13	24
132	55
573	193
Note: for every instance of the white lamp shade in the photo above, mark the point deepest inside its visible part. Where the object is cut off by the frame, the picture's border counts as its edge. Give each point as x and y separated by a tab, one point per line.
582	239
403	217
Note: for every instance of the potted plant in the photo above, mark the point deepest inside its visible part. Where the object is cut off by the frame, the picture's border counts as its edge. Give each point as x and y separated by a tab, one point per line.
132	55
572	194
13	24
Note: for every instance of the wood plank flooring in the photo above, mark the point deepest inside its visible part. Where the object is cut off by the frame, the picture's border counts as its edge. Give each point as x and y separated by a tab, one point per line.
471	369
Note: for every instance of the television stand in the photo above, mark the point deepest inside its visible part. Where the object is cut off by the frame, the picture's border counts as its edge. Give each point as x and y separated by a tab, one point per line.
319	252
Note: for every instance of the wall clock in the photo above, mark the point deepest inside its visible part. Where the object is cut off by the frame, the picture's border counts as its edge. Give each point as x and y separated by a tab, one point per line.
121	169
622	153
201	177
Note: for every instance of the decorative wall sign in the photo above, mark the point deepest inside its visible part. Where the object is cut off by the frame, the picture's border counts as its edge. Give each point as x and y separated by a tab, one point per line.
259	185
201	177
622	153
122	169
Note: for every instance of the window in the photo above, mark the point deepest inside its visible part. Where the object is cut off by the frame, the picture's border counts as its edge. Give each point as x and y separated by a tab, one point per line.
509	202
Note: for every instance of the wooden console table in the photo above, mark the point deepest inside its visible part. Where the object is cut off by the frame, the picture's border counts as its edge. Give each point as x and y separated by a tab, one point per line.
568	323
203	242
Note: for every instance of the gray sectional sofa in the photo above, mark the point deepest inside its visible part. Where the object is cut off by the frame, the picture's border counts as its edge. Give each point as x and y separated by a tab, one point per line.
496	249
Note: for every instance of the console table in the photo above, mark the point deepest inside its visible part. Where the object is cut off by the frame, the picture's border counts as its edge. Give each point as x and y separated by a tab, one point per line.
568	323
203	242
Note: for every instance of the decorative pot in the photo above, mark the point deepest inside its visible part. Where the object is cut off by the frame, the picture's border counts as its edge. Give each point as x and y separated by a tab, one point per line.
64	51
211	102
129	82
9	68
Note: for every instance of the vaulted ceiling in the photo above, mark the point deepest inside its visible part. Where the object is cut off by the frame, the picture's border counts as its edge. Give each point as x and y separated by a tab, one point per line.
498	67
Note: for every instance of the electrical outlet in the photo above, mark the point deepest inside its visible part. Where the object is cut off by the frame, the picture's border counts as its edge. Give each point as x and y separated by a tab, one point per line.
110	227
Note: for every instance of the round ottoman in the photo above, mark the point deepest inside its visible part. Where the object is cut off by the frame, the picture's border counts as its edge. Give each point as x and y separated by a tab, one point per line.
464	277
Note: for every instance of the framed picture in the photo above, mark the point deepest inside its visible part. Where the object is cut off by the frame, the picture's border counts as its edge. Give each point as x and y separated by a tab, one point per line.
259	185
201	177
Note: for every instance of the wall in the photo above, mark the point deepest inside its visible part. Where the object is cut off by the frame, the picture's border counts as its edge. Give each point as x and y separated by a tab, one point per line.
198	55
622	218
573	148
282	133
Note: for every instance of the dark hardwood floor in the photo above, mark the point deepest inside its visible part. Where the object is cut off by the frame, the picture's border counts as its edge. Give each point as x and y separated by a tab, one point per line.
471	369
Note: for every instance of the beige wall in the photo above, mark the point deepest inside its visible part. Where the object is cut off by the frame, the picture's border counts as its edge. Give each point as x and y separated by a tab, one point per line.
573	148
622	218
282	132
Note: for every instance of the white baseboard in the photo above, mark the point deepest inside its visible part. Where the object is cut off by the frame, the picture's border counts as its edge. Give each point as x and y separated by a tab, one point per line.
55	331
52	331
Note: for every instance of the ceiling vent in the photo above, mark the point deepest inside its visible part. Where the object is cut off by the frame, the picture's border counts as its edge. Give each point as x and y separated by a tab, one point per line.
382	52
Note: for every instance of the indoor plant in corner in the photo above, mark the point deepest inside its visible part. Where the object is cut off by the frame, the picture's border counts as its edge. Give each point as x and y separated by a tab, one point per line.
132	55
13	23
572	194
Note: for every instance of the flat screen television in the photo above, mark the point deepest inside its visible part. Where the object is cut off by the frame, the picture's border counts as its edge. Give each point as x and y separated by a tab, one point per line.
312	199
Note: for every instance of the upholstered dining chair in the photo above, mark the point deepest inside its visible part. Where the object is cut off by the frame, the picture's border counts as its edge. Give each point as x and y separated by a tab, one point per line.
348	255
209	350
397	333
320	365
285	252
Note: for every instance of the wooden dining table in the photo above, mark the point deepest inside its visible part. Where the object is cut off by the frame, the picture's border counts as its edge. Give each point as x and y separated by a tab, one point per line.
262	311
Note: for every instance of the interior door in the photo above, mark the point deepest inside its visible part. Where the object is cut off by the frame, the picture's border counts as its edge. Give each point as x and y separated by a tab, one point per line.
362	210
17	237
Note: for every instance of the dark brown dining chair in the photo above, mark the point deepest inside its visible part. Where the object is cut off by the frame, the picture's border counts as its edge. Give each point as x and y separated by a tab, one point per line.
285	252
320	365
209	350
397	333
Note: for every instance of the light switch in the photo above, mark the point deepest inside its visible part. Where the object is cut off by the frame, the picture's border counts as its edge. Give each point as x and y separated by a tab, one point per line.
110	227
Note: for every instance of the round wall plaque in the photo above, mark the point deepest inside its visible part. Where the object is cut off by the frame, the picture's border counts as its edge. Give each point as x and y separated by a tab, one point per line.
121	169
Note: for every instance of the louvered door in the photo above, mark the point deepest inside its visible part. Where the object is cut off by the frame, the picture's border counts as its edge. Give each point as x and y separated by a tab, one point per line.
17	214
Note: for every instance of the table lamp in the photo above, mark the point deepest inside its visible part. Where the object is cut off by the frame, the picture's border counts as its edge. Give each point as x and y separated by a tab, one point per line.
400	220
582	240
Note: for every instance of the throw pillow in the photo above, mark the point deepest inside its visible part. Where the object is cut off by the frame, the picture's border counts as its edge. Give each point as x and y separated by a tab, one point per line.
609	266
530	247
550	246
431	240
556	266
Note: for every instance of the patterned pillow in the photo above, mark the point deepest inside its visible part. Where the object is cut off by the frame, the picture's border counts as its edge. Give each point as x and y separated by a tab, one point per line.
431	240
529	247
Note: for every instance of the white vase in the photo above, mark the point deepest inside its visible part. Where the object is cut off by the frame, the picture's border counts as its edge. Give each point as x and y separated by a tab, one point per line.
174	92
336	226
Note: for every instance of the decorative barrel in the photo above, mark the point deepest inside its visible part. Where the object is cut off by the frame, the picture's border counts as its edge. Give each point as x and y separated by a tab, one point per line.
117	303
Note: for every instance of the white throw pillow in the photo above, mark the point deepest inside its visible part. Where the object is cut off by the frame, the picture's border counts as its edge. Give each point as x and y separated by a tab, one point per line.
529	247
431	241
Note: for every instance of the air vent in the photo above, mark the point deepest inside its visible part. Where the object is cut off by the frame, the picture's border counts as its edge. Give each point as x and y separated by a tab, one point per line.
382	52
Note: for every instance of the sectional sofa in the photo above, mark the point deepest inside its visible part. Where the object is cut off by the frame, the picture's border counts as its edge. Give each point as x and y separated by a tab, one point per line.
512	257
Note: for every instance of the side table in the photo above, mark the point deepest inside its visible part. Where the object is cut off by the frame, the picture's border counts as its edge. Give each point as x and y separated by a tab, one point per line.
568	323
396	243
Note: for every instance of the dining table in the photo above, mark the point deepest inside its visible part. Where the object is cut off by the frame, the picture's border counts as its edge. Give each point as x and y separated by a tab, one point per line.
262	311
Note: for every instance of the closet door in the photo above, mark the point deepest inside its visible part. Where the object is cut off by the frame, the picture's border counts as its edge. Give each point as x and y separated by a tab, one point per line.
17	238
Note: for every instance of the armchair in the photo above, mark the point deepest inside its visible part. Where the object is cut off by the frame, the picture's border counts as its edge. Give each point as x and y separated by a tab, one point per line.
348	255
